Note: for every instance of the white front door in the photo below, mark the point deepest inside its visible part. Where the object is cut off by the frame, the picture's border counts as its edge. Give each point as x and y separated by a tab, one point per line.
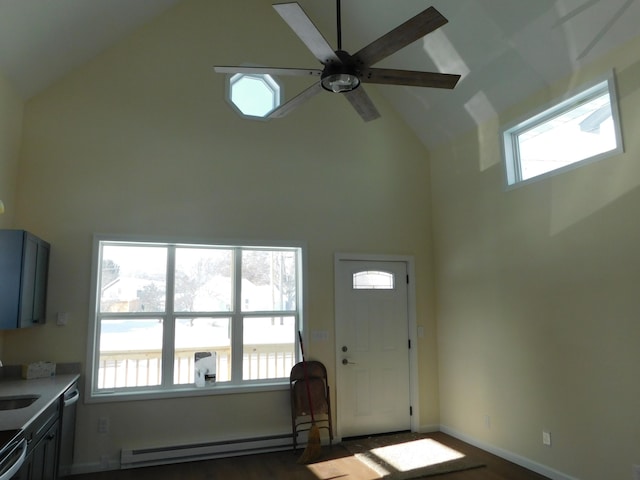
372	347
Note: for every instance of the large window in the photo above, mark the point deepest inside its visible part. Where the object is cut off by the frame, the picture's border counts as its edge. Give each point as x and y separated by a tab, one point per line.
584	127
162	307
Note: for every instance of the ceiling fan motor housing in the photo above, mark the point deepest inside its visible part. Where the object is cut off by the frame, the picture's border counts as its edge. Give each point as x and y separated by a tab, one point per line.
341	77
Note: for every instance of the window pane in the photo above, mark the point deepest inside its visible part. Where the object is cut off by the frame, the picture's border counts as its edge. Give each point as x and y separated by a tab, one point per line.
202	335
268	280
133	278
269	347
203	280
130	353
373	280
253	94
582	132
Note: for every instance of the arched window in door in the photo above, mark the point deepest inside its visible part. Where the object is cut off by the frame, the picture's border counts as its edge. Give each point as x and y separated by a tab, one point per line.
373	280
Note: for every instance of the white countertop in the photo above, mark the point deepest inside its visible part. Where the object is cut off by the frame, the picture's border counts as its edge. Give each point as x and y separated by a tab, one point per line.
49	390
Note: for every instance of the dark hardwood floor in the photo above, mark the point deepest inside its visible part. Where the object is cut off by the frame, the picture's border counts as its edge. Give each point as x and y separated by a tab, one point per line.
335	463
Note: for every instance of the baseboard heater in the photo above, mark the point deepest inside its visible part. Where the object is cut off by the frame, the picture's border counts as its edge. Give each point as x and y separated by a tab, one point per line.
143	457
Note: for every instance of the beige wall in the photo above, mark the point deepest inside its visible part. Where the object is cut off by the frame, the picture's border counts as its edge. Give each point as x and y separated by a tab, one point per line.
537	303
141	141
11	111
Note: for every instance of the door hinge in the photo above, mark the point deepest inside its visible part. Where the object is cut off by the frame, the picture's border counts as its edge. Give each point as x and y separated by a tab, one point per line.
410	410
409	344
407	279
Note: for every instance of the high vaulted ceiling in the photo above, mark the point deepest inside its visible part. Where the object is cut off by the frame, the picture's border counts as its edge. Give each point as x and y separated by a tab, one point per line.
504	49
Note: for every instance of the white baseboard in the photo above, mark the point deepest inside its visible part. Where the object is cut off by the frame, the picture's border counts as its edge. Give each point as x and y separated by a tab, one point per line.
507	455
96	467
429	428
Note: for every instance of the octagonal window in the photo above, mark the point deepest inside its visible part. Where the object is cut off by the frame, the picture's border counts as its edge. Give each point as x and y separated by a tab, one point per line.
254	95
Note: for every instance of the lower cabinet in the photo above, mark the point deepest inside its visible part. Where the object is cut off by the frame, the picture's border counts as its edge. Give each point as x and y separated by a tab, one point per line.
42	453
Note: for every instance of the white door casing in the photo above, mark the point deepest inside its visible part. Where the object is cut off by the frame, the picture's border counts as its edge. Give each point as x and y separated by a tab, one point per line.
375	374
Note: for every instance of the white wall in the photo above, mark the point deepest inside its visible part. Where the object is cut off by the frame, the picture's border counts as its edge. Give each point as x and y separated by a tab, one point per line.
11	111
537	303
141	141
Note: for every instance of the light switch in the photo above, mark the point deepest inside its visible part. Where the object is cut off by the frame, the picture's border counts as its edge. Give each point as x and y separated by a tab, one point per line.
319	335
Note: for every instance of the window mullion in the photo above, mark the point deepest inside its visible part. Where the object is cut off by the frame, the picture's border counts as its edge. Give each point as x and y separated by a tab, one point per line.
169	320
237	347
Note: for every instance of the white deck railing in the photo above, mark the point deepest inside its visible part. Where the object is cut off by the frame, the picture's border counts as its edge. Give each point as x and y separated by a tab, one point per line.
138	368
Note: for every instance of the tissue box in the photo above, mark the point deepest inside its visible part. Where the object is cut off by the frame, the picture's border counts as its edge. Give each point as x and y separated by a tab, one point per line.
38	370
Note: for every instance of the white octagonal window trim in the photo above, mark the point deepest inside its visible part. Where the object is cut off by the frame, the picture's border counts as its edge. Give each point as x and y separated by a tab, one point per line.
253	95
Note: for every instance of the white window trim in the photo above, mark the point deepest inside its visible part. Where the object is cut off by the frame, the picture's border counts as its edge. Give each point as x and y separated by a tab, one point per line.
121	395
576	96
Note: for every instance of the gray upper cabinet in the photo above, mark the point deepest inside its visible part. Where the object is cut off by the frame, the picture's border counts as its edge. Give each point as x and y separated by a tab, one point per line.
24	269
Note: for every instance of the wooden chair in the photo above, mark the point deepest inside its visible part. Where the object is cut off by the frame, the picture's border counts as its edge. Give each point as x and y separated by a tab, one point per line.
320	399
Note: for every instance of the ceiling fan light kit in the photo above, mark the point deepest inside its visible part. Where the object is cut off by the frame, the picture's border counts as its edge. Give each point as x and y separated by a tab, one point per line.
340	82
344	73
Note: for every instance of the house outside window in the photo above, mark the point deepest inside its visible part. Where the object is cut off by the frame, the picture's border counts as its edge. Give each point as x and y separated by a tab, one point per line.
580	129
160	307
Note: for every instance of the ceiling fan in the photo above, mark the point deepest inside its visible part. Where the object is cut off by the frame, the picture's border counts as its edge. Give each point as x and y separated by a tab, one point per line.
344	73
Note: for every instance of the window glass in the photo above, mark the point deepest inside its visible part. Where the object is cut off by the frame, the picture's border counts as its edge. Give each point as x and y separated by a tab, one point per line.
133	279
203	280
582	132
373	280
130	353
254	95
268	280
583	127
269	346
202	335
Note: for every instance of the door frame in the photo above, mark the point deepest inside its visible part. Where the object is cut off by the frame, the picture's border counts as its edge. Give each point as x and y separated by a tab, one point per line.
412	329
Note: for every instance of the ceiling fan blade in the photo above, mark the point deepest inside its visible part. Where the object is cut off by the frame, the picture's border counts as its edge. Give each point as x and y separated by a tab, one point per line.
359	99
301	24
409	77
296	101
401	36
301	72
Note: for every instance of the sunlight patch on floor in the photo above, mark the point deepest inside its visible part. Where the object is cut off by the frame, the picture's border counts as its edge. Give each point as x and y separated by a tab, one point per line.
416	454
342	468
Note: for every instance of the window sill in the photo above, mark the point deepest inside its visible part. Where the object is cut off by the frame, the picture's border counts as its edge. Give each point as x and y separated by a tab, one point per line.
184	392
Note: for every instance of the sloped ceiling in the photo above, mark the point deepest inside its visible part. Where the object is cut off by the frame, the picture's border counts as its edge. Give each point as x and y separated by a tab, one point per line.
504	49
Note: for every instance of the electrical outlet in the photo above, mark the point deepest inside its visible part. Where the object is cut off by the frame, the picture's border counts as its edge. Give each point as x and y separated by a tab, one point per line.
487	421
636	472
546	438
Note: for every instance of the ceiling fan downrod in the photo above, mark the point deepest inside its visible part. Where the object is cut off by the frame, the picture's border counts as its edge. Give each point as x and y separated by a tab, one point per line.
339	22
340	77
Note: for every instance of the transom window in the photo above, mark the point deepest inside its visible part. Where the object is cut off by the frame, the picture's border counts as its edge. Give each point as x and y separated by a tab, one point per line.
254	95
161	306
584	127
373	280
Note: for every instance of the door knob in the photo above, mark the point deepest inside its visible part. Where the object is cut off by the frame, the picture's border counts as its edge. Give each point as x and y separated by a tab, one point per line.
347	362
